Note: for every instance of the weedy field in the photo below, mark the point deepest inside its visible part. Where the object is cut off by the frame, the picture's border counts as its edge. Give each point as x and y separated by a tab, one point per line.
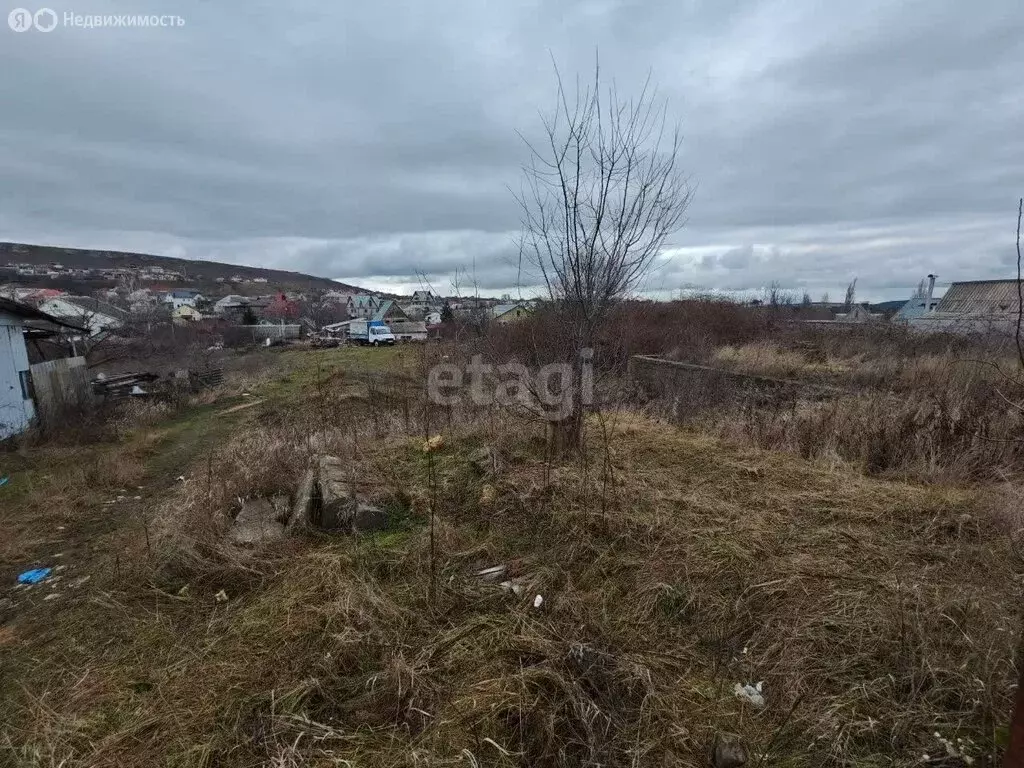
642	581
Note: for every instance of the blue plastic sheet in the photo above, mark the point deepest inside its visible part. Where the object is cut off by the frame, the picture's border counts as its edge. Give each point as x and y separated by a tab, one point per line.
34	576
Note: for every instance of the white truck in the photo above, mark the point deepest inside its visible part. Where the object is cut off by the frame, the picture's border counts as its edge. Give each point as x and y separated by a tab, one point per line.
372	332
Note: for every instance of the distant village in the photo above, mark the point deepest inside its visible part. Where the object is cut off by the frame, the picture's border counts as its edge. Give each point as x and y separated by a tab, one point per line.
150	324
151	294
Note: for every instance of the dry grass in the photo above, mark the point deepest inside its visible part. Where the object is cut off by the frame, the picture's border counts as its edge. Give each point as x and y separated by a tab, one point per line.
941	417
671	565
767	359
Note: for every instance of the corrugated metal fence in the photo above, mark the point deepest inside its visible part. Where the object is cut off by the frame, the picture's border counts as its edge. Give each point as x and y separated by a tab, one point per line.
60	386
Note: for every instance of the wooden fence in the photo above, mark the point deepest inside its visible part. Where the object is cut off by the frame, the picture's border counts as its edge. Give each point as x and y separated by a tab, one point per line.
60	386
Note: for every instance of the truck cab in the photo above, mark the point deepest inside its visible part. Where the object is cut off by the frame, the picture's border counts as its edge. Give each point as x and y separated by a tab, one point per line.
373	332
379	334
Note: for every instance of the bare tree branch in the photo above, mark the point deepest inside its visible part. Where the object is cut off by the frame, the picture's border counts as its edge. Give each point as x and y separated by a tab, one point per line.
1020	290
600	197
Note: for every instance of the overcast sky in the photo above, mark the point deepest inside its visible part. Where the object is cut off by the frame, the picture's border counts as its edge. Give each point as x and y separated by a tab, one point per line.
370	141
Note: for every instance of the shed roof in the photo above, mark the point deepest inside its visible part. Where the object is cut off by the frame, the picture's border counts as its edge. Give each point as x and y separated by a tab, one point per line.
94	306
27	312
976	297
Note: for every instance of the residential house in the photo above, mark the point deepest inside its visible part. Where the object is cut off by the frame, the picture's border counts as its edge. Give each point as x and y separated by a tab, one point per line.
362	306
185	314
16	407
389	312
424	299
918	306
859	313
258	304
914	308
508	313
335	297
183	298
86	312
230	304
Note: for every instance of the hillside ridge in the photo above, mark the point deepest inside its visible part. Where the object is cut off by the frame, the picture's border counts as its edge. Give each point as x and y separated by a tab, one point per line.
193	270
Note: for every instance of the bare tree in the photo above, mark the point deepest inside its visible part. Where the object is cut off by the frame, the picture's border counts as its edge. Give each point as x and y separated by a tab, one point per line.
920	291
1020	291
777	296
1014	756
602	193
851	294
806	299
825	298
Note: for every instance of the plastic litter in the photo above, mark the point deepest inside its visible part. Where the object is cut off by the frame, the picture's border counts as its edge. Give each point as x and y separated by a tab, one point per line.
33	576
4	480
538	601
750	693
493	573
221	597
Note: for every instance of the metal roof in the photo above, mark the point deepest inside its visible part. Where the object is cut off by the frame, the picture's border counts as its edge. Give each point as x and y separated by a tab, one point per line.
16	308
501	309
916	307
386	306
89	305
980	297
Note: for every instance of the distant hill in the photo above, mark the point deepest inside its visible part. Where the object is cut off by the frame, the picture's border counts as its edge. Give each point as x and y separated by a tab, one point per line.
887	307
195	273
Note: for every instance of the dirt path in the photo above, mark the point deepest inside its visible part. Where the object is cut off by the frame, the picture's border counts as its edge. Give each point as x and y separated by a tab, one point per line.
67	511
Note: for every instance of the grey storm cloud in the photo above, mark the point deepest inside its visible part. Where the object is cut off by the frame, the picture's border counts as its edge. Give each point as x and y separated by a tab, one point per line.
380	142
